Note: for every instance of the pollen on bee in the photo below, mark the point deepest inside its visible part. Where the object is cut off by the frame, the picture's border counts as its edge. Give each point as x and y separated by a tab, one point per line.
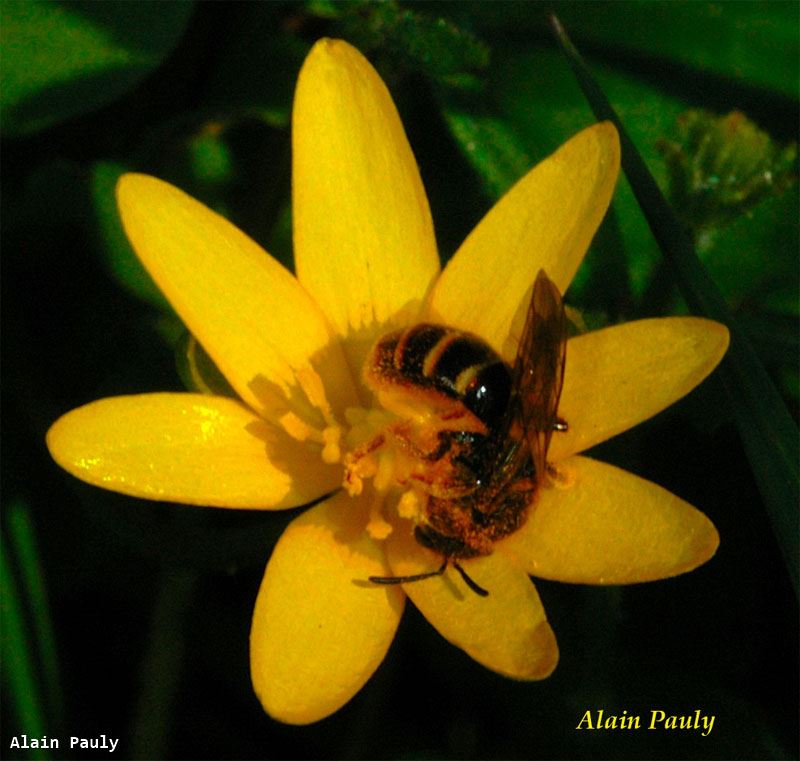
411	504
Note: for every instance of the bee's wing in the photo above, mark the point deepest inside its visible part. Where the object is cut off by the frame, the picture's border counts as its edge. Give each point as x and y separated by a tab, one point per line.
539	369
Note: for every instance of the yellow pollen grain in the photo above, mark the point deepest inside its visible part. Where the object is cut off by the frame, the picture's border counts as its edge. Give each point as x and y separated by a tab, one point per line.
377	526
353	484
410	504
331	451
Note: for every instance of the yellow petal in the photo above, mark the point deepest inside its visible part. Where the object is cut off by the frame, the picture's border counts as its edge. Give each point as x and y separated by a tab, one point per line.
607	526
190	448
249	313
507	631
620	376
320	629
545	221
363	237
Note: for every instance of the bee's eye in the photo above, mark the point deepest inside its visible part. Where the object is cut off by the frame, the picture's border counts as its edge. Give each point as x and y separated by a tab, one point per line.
488	394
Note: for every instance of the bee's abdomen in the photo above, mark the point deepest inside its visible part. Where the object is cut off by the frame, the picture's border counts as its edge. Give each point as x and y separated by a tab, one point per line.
451	362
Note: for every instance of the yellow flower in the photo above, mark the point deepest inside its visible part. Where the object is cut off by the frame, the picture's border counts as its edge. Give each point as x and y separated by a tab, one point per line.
293	349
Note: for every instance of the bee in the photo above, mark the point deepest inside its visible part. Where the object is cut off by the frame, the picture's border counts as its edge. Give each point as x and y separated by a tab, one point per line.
481	456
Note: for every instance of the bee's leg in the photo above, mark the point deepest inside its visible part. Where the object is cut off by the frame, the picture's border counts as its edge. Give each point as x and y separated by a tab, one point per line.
359	464
404	579
478	590
443	445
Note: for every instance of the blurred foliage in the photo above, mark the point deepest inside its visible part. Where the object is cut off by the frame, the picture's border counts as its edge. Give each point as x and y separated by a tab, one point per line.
769	434
721	167
200	94
62	59
752	43
430	44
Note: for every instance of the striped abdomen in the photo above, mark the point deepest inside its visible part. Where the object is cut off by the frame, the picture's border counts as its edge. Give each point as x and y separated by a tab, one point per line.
444	361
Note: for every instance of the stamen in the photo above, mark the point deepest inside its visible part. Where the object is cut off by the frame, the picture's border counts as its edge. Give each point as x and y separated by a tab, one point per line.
353	483
384	476
377	526
298	428
331	451
355	415
358	465
313	388
329	435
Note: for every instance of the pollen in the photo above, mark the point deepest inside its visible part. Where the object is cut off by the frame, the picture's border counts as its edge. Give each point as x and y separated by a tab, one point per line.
331	451
369	442
373	452
377	526
411	504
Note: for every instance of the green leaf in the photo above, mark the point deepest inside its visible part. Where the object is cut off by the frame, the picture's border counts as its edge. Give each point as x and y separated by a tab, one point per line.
210	157
769	434
63	59
751	42
490	145
531	105
748	45
757	253
422	42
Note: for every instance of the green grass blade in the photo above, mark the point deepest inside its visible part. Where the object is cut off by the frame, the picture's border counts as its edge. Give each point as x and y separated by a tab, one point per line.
32	577
768	433
19	673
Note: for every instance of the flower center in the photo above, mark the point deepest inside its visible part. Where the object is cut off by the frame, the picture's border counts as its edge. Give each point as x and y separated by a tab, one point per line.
372	443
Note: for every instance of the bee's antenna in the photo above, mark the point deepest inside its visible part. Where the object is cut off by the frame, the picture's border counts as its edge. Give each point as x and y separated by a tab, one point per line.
478	590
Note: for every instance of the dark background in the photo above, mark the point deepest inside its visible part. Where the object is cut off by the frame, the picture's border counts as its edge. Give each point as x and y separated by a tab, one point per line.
134	617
